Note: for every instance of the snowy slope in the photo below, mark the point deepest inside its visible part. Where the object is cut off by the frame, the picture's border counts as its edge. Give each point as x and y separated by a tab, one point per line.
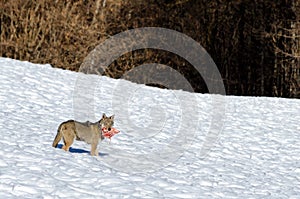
158	153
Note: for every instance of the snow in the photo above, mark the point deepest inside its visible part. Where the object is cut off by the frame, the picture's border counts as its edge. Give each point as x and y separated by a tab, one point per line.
159	151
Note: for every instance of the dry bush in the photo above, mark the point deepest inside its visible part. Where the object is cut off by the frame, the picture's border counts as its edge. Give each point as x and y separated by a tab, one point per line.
57	32
239	35
174	15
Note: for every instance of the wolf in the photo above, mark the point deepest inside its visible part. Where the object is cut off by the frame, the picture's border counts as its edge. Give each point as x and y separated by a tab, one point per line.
89	132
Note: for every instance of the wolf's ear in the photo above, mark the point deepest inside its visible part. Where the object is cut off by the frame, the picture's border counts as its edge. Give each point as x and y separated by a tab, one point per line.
104	116
112	117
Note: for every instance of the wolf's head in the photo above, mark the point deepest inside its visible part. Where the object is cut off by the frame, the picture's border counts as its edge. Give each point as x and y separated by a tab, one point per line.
107	122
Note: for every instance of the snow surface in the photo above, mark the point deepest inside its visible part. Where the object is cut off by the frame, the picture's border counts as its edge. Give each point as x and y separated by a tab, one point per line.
159	151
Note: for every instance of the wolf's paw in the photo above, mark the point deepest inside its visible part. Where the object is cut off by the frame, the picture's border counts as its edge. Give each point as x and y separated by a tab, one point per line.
65	148
95	153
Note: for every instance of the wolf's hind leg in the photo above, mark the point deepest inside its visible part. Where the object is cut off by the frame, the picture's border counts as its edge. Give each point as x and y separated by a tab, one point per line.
68	141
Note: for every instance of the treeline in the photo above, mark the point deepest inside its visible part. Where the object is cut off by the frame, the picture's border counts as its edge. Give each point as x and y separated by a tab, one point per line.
254	43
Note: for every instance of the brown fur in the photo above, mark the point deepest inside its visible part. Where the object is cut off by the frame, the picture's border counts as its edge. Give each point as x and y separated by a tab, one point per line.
89	132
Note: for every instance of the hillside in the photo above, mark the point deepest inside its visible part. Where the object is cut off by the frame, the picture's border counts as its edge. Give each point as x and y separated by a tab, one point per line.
170	144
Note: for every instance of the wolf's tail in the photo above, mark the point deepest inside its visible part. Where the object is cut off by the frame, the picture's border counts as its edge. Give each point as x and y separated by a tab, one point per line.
57	137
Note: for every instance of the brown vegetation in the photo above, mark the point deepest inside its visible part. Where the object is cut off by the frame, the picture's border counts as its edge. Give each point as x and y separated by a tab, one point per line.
255	44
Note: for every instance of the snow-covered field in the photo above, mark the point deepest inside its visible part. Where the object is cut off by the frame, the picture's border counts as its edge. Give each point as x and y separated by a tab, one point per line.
157	154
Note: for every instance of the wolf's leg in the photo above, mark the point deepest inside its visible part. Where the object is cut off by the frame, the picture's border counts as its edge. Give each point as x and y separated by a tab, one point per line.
64	147
68	140
94	150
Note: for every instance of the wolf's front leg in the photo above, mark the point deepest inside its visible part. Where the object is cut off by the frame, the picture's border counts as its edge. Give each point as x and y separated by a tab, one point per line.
94	150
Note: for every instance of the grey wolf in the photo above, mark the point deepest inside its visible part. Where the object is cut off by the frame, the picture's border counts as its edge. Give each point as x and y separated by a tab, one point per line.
89	132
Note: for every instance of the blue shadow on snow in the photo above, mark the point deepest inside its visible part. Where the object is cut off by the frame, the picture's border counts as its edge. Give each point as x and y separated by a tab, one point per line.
74	150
